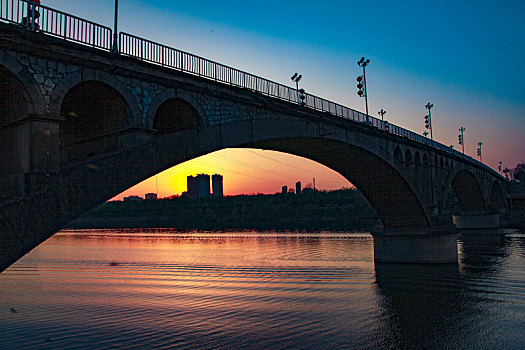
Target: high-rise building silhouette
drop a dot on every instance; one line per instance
(191, 185)
(198, 186)
(298, 187)
(216, 181)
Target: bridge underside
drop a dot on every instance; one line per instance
(29, 221)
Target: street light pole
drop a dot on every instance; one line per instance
(363, 63)
(462, 138)
(382, 113)
(429, 125)
(479, 152)
(300, 94)
(115, 29)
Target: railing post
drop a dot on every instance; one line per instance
(64, 25)
(93, 30)
(199, 68)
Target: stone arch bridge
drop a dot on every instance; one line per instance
(79, 125)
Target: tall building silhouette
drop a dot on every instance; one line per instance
(198, 186)
(298, 187)
(191, 185)
(216, 181)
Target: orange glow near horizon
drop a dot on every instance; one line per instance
(245, 171)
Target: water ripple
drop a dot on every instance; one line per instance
(133, 290)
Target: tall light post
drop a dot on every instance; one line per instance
(461, 139)
(479, 152)
(363, 92)
(115, 29)
(428, 119)
(296, 78)
(382, 113)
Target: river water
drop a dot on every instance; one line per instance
(144, 289)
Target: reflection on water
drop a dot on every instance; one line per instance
(145, 289)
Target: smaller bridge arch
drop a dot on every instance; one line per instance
(417, 159)
(84, 76)
(426, 162)
(15, 102)
(173, 94)
(398, 156)
(176, 114)
(408, 158)
(497, 199)
(468, 191)
(92, 113)
(18, 83)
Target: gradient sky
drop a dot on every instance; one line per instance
(463, 56)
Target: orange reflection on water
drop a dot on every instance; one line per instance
(202, 270)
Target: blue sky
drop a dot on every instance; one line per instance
(463, 56)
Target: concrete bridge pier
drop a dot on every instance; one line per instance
(477, 221)
(416, 247)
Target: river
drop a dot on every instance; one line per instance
(145, 289)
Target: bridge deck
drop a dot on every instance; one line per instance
(78, 30)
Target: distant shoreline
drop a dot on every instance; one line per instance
(335, 211)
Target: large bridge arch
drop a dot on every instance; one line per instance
(497, 199)
(468, 191)
(382, 184)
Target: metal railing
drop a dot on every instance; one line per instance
(44, 19)
(165, 56)
(152, 52)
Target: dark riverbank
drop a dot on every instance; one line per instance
(336, 210)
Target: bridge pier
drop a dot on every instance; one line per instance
(415, 247)
(477, 221)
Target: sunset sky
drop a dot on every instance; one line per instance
(465, 57)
